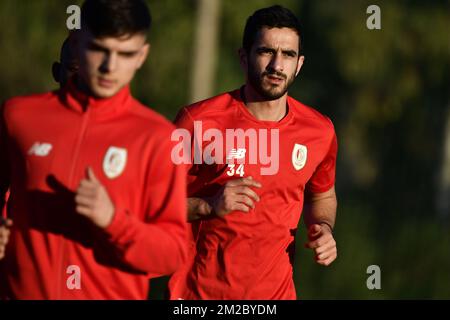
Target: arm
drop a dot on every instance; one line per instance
(320, 215)
(320, 208)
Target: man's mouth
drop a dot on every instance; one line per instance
(275, 79)
(105, 83)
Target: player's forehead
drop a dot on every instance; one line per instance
(125, 43)
(277, 38)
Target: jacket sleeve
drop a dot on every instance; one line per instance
(156, 246)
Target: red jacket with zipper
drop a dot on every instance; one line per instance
(47, 142)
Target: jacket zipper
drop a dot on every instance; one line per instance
(74, 163)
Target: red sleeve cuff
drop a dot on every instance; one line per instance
(321, 189)
(118, 225)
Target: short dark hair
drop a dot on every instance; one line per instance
(271, 17)
(116, 18)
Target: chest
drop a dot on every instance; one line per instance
(280, 158)
(61, 147)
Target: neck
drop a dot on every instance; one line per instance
(264, 110)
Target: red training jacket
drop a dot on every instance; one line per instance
(47, 142)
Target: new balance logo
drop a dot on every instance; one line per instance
(40, 149)
(236, 154)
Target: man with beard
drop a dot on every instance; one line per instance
(244, 222)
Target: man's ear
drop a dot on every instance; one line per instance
(301, 60)
(56, 71)
(144, 52)
(243, 59)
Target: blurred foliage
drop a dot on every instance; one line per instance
(387, 91)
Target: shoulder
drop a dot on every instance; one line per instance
(149, 119)
(212, 106)
(27, 103)
(312, 115)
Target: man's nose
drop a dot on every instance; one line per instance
(276, 63)
(109, 63)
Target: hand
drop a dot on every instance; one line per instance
(235, 195)
(4, 236)
(198, 208)
(93, 202)
(322, 242)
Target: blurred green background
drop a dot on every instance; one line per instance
(387, 92)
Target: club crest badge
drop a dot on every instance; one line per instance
(114, 162)
(299, 156)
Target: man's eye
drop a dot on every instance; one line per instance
(128, 54)
(266, 52)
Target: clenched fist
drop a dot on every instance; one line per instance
(236, 195)
(93, 202)
(4, 235)
(321, 240)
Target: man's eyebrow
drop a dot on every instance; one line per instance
(130, 52)
(273, 50)
(96, 46)
(290, 52)
(265, 49)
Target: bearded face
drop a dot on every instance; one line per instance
(273, 62)
(270, 84)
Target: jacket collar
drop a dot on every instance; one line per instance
(80, 102)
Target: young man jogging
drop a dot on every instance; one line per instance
(97, 204)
